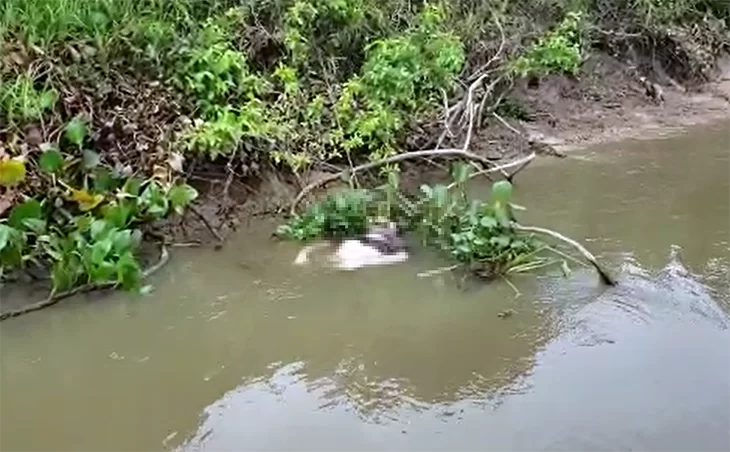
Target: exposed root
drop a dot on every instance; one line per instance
(56, 297)
(206, 222)
(605, 277)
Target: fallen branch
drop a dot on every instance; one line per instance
(56, 297)
(519, 163)
(605, 277)
(394, 159)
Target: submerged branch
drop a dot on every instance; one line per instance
(438, 271)
(605, 277)
(56, 297)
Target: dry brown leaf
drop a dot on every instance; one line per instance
(6, 201)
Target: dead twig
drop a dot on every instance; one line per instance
(56, 297)
(497, 54)
(605, 277)
(507, 125)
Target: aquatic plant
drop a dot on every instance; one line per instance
(478, 234)
(341, 214)
(85, 229)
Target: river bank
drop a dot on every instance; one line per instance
(606, 103)
(126, 122)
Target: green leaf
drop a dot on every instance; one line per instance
(500, 240)
(118, 213)
(103, 271)
(100, 250)
(35, 225)
(122, 241)
(83, 223)
(97, 228)
(488, 222)
(153, 199)
(47, 99)
(5, 234)
(128, 271)
(75, 131)
(30, 209)
(12, 172)
(460, 172)
(66, 272)
(502, 191)
(51, 161)
(90, 159)
(132, 186)
(180, 196)
(103, 180)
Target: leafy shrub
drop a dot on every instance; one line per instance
(558, 52)
(215, 73)
(225, 129)
(401, 76)
(299, 119)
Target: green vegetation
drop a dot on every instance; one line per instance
(102, 99)
(558, 52)
(85, 229)
(477, 234)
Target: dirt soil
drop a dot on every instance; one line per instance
(608, 103)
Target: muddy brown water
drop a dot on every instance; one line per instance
(238, 350)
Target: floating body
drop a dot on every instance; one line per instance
(379, 246)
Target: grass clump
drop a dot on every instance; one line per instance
(21, 101)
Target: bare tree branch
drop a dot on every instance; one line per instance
(56, 297)
(605, 277)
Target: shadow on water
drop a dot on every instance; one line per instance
(277, 357)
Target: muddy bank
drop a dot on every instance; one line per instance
(608, 103)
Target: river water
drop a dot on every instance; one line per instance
(239, 350)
